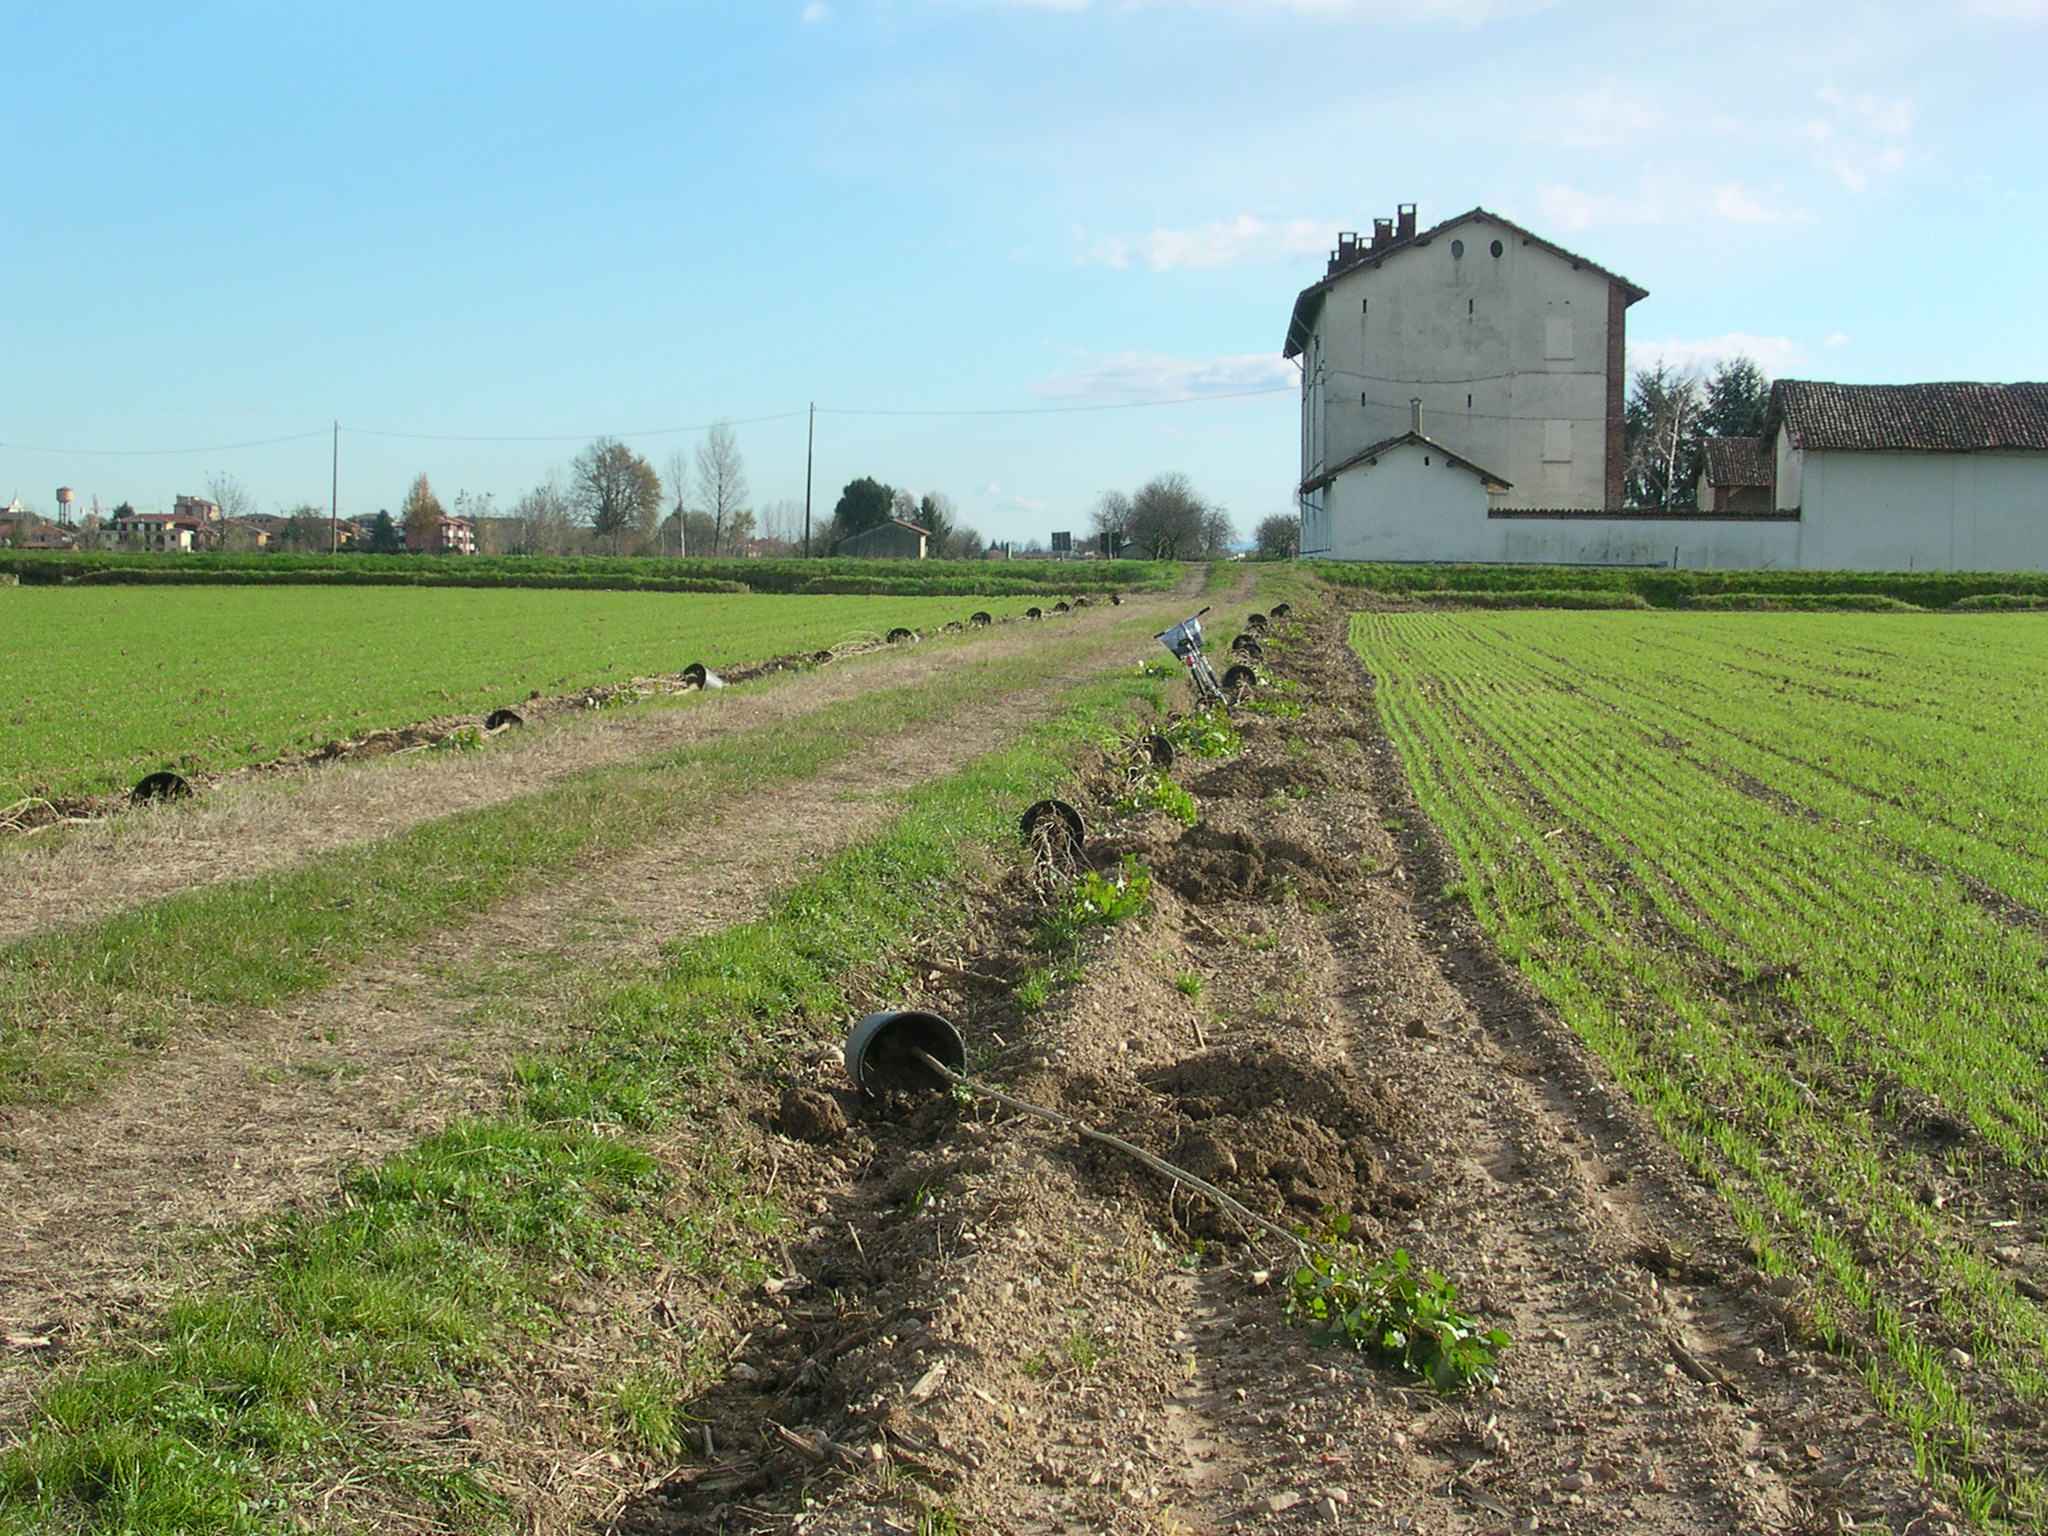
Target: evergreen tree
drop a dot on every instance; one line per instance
(384, 536)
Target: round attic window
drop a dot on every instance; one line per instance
(1457, 248)
(1495, 247)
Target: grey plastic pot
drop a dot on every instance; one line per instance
(878, 1050)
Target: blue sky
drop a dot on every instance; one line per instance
(235, 222)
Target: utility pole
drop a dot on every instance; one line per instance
(810, 444)
(334, 497)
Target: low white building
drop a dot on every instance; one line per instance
(1372, 504)
(1912, 476)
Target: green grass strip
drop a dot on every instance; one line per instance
(444, 1260)
(75, 1004)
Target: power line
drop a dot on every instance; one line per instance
(151, 453)
(572, 437)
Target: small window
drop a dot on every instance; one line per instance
(1364, 306)
(1468, 402)
(1361, 398)
(1457, 249)
(1468, 306)
(1495, 248)
(1425, 461)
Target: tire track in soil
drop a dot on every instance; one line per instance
(952, 1261)
(106, 1198)
(264, 821)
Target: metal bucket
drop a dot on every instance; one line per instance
(878, 1050)
(697, 675)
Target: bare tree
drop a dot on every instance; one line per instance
(937, 516)
(903, 506)
(616, 490)
(545, 518)
(1111, 521)
(1218, 533)
(1279, 536)
(783, 521)
(722, 485)
(675, 527)
(1167, 518)
(230, 495)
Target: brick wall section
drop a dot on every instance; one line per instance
(1617, 392)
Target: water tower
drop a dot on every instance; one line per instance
(65, 498)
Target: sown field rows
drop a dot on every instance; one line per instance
(101, 685)
(1768, 868)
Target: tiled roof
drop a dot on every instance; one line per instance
(1739, 461)
(1311, 297)
(1318, 481)
(1911, 418)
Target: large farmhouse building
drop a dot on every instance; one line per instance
(1462, 399)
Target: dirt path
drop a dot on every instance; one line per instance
(993, 1325)
(267, 821)
(224, 1126)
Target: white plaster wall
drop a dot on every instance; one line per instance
(1926, 511)
(1410, 500)
(1475, 327)
(1791, 471)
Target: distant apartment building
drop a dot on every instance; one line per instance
(452, 536)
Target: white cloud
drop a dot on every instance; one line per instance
(1604, 117)
(1130, 377)
(1774, 354)
(816, 12)
(1836, 339)
(1860, 138)
(1239, 241)
(1733, 202)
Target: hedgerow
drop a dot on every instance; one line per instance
(1663, 587)
(928, 578)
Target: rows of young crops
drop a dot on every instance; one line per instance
(99, 686)
(1783, 874)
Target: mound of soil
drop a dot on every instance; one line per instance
(1222, 864)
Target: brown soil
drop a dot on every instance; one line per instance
(269, 1108)
(268, 819)
(989, 1322)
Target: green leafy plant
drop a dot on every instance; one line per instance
(1096, 900)
(1206, 733)
(1156, 792)
(1188, 984)
(1401, 1316)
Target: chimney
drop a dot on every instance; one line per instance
(1415, 414)
(1382, 233)
(1405, 213)
(1347, 248)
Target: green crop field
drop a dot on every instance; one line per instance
(99, 686)
(1787, 876)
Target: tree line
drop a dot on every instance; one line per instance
(1166, 518)
(1671, 412)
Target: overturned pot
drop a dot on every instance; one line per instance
(697, 675)
(162, 785)
(1239, 678)
(881, 1051)
(1055, 826)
